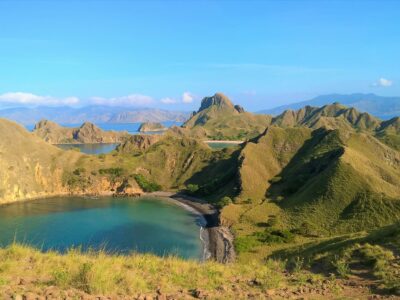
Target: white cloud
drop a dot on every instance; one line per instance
(32, 99)
(187, 97)
(168, 100)
(129, 100)
(383, 82)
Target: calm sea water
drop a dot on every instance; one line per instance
(122, 225)
(89, 148)
(132, 128)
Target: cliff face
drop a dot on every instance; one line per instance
(88, 133)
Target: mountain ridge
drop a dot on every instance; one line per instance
(379, 106)
(94, 114)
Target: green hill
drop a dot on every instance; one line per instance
(329, 116)
(304, 172)
(222, 120)
(31, 167)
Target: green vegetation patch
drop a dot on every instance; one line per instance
(145, 184)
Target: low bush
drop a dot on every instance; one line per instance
(192, 188)
(274, 236)
(223, 202)
(145, 184)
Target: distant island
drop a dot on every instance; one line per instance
(87, 133)
(151, 127)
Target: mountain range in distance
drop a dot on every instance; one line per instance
(95, 114)
(379, 106)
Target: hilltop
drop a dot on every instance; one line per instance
(337, 116)
(87, 133)
(151, 126)
(220, 119)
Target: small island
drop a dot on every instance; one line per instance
(151, 127)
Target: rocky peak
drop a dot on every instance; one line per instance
(89, 126)
(45, 124)
(219, 100)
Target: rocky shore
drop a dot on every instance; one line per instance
(220, 237)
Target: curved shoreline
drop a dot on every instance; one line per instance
(220, 239)
(220, 243)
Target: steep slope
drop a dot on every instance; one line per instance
(264, 157)
(382, 107)
(389, 133)
(344, 183)
(87, 133)
(30, 166)
(221, 119)
(323, 181)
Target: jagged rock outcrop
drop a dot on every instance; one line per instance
(87, 133)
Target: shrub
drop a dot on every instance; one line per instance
(192, 188)
(223, 202)
(75, 180)
(295, 265)
(246, 243)
(79, 171)
(275, 179)
(145, 184)
(117, 172)
(341, 266)
(271, 236)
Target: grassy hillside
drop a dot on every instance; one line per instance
(31, 167)
(97, 275)
(327, 116)
(298, 186)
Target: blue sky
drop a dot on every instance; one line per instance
(170, 54)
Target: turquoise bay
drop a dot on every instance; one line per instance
(116, 225)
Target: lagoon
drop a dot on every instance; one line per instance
(115, 225)
(89, 148)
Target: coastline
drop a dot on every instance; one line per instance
(219, 238)
(222, 141)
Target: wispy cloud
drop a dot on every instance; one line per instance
(187, 97)
(32, 99)
(383, 82)
(129, 100)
